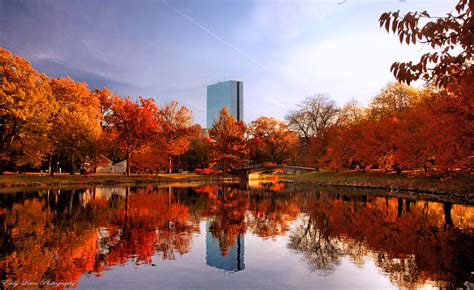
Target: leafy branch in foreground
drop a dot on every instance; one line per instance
(451, 38)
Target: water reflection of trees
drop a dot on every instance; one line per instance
(413, 242)
(37, 245)
(271, 212)
(266, 212)
(59, 235)
(147, 222)
(321, 252)
(227, 208)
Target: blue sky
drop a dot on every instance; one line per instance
(283, 51)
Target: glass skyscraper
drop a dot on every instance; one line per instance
(228, 94)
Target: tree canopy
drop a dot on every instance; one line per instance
(228, 147)
(26, 109)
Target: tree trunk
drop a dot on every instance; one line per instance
(50, 165)
(128, 163)
(169, 164)
(177, 163)
(73, 165)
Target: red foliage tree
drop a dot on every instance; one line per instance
(134, 124)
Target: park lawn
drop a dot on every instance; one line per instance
(462, 183)
(22, 180)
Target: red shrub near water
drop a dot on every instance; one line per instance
(205, 171)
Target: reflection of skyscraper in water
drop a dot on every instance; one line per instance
(233, 261)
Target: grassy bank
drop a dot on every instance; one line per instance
(460, 184)
(34, 180)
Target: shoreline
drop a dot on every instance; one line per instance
(398, 192)
(34, 181)
(459, 185)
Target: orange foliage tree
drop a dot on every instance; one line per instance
(134, 124)
(408, 128)
(109, 144)
(150, 159)
(273, 140)
(392, 100)
(76, 126)
(26, 107)
(198, 154)
(311, 121)
(446, 122)
(228, 146)
(175, 131)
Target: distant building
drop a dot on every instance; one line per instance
(105, 165)
(233, 261)
(204, 133)
(228, 94)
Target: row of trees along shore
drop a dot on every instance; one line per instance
(46, 122)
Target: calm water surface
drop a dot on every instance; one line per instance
(233, 237)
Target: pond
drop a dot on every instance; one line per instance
(271, 236)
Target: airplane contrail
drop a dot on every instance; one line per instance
(202, 27)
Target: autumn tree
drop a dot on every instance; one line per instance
(443, 124)
(327, 149)
(378, 143)
(133, 124)
(228, 146)
(446, 126)
(318, 148)
(107, 100)
(452, 124)
(313, 116)
(412, 136)
(392, 100)
(341, 148)
(149, 158)
(198, 154)
(352, 112)
(310, 121)
(273, 137)
(76, 126)
(451, 38)
(175, 130)
(109, 144)
(26, 107)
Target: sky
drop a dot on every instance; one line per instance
(283, 51)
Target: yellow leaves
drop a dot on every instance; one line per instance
(77, 123)
(392, 100)
(27, 105)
